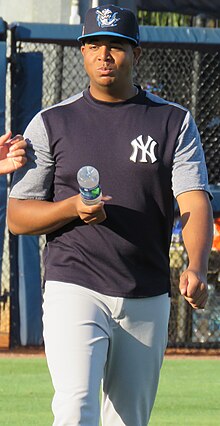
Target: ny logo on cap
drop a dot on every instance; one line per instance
(106, 18)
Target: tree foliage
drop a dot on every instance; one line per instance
(163, 19)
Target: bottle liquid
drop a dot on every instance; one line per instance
(88, 180)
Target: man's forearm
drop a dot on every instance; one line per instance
(197, 223)
(35, 217)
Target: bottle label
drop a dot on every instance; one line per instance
(90, 194)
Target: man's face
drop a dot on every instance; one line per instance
(109, 61)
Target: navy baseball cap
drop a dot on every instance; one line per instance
(110, 20)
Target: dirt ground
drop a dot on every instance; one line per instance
(23, 352)
(192, 353)
(171, 353)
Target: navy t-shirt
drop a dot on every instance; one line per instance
(135, 145)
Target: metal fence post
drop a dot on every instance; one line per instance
(13, 240)
(4, 293)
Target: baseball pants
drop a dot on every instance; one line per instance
(93, 339)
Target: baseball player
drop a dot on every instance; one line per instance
(107, 279)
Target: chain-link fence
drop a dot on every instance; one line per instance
(188, 77)
(191, 77)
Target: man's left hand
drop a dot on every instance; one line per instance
(194, 288)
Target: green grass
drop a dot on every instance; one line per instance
(25, 392)
(188, 393)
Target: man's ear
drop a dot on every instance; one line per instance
(82, 49)
(137, 53)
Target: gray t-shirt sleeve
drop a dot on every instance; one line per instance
(35, 179)
(189, 171)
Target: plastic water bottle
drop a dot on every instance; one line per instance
(88, 180)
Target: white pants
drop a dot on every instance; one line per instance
(92, 338)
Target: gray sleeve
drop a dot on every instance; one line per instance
(189, 168)
(35, 179)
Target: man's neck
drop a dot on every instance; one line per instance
(112, 95)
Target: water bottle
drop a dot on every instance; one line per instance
(88, 180)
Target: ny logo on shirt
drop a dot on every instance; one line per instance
(147, 149)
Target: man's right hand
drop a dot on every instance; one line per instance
(92, 214)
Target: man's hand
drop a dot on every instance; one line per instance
(194, 288)
(92, 214)
(12, 153)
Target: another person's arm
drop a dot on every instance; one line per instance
(12, 153)
(197, 225)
